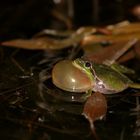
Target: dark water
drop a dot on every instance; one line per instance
(31, 107)
(34, 109)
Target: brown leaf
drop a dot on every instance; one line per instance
(126, 29)
(107, 53)
(109, 38)
(44, 43)
(95, 108)
(38, 43)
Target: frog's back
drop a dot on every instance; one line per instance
(112, 80)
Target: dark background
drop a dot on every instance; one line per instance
(25, 17)
(21, 118)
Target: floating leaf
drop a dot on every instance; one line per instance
(95, 108)
(125, 27)
(107, 53)
(44, 43)
(119, 32)
(37, 44)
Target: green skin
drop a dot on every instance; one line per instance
(106, 79)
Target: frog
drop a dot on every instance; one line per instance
(86, 76)
(105, 79)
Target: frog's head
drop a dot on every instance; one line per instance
(85, 66)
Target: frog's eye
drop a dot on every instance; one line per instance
(87, 64)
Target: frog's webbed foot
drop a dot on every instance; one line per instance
(134, 85)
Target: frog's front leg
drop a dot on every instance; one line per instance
(87, 94)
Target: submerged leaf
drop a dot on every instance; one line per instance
(95, 108)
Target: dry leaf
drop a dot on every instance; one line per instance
(44, 43)
(95, 108)
(107, 53)
(39, 43)
(109, 38)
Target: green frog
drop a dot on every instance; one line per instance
(105, 79)
(84, 76)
